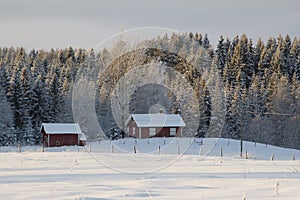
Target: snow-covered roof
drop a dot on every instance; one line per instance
(63, 128)
(157, 120)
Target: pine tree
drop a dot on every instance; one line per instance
(26, 103)
(54, 95)
(242, 62)
(228, 91)
(251, 59)
(266, 56)
(15, 95)
(280, 110)
(232, 123)
(198, 38)
(66, 113)
(206, 43)
(39, 112)
(217, 96)
(292, 126)
(259, 48)
(221, 52)
(6, 119)
(256, 102)
(204, 108)
(286, 58)
(295, 59)
(278, 58)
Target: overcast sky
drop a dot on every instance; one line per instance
(61, 23)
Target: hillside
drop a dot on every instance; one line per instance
(176, 146)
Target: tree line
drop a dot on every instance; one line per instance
(256, 86)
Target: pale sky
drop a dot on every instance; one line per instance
(61, 23)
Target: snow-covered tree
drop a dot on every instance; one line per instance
(217, 95)
(222, 53)
(280, 110)
(6, 120)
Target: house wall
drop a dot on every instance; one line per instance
(57, 140)
(178, 132)
(130, 126)
(144, 132)
(162, 132)
(165, 132)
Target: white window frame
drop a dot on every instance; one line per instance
(152, 131)
(172, 131)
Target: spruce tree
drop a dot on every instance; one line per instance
(280, 110)
(266, 56)
(206, 42)
(6, 120)
(294, 61)
(15, 94)
(221, 53)
(217, 96)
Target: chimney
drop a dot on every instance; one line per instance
(161, 111)
(178, 111)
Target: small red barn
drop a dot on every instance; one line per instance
(62, 134)
(154, 125)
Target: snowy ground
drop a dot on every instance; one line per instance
(75, 173)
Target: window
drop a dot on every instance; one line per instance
(133, 131)
(152, 132)
(172, 131)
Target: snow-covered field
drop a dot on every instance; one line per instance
(183, 168)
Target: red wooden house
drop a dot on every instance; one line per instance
(154, 125)
(62, 134)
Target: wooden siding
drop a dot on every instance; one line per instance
(57, 140)
(144, 131)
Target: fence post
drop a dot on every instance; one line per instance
(272, 157)
(19, 148)
(221, 152)
(178, 150)
(293, 157)
(134, 149)
(43, 150)
(112, 148)
(158, 149)
(246, 154)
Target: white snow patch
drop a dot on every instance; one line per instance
(75, 173)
